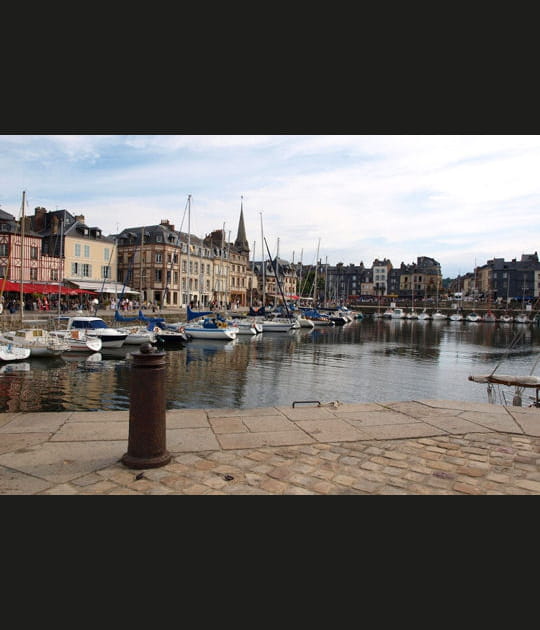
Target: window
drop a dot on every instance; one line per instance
(74, 269)
(105, 271)
(77, 249)
(33, 273)
(87, 251)
(86, 270)
(33, 253)
(159, 257)
(158, 275)
(53, 275)
(106, 254)
(4, 249)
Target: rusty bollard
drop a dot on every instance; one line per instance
(147, 439)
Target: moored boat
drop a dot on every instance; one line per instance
(79, 340)
(473, 317)
(209, 328)
(10, 352)
(277, 325)
(137, 335)
(96, 327)
(522, 318)
(39, 341)
(397, 313)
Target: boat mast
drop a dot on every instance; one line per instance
(188, 249)
(276, 271)
(325, 279)
(22, 254)
(263, 265)
(141, 254)
(299, 281)
(222, 270)
(61, 262)
(315, 277)
(252, 275)
(273, 263)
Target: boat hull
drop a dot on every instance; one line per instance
(276, 327)
(210, 333)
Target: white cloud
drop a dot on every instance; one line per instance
(451, 197)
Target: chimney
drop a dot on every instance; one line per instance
(166, 223)
(39, 218)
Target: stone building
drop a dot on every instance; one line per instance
(174, 268)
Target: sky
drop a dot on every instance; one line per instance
(460, 199)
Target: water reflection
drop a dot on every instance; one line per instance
(368, 360)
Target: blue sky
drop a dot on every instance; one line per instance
(461, 199)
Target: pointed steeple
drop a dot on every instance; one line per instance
(241, 243)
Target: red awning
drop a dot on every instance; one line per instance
(41, 287)
(7, 285)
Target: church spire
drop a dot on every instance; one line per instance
(241, 242)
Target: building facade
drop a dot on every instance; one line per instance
(174, 268)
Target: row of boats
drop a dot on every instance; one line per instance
(458, 316)
(91, 334)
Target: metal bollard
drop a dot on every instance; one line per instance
(147, 429)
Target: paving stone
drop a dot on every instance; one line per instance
(331, 430)
(35, 423)
(228, 425)
(10, 442)
(494, 421)
(486, 460)
(181, 440)
(267, 438)
(408, 430)
(91, 431)
(186, 418)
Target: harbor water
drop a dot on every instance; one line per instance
(369, 360)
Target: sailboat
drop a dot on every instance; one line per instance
(519, 382)
(412, 314)
(278, 324)
(522, 317)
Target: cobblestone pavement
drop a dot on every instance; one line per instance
(480, 463)
(413, 448)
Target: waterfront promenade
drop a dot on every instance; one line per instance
(410, 447)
